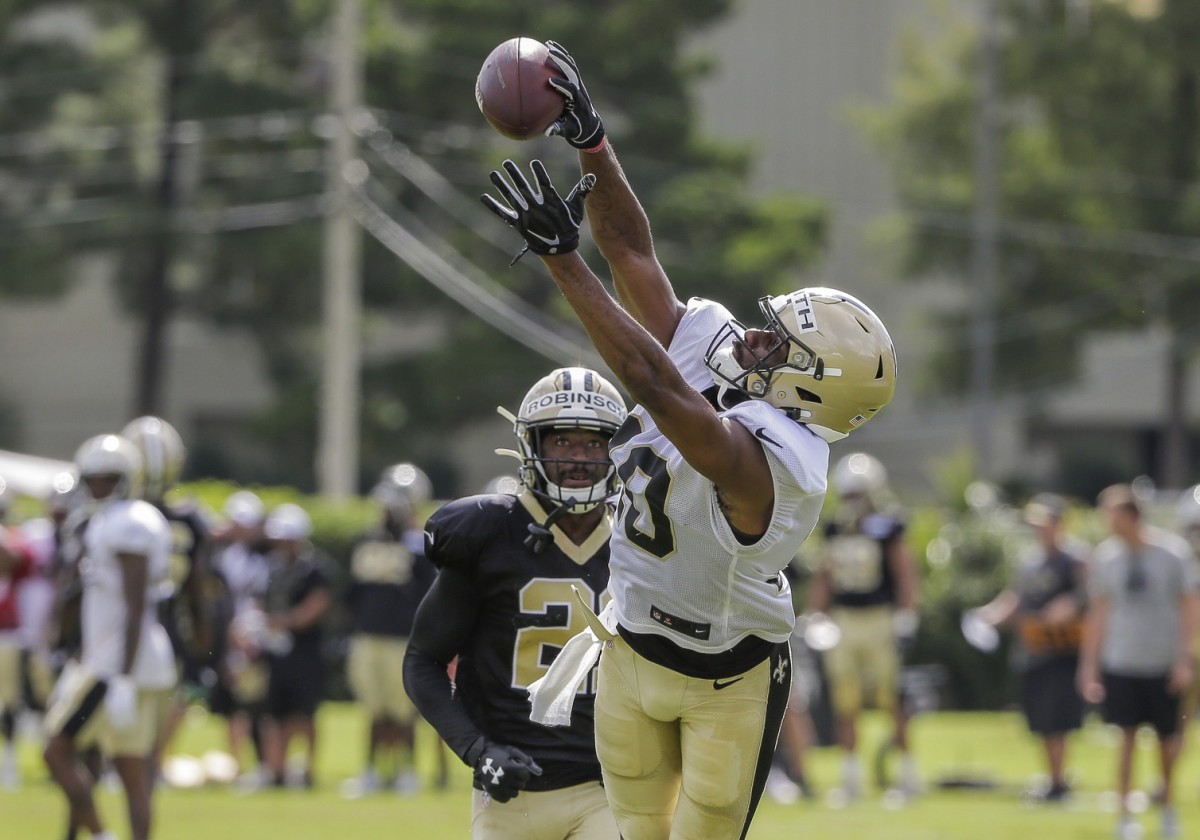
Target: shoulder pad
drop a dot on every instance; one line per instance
(456, 533)
(134, 527)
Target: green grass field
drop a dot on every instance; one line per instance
(994, 746)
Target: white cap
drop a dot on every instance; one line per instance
(244, 508)
(288, 522)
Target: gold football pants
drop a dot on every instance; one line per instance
(686, 758)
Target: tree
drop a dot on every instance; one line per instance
(223, 211)
(1098, 201)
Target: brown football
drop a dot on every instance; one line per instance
(513, 90)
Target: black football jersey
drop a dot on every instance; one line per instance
(856, 557)
(185, 609)
(388, 578)
(525, 612)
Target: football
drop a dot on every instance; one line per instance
(513, 90)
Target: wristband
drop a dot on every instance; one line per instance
(599, 147)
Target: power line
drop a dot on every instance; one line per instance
(452, 274)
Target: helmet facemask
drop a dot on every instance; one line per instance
(536, 468)
(567, 399)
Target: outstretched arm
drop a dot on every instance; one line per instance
(622, 233)
(722, 450)
(619, 224)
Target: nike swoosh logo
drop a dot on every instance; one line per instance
(762, 435)
(718, 685)
(553, 241)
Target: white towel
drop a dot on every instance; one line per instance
(552, 697)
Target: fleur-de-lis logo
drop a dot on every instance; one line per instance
(780, 670)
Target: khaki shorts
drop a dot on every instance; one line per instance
(10, 673)
(41, 678)
(77, 712)
(864, 668)
(376, 674)
(579, 812)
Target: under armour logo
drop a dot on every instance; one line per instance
(780, 670)
(490, 769)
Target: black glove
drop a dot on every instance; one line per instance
(548, 222)
(579, 124)
(502, 772)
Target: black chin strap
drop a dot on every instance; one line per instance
(539, 535)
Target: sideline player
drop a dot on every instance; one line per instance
(16, 568)
(719, 491)
(118, 693)
(389, 575)
(185, 615)
(299, 595)
(1046, 603)
(504, 603)
(867, 584)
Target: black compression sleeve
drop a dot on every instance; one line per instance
(442, 628)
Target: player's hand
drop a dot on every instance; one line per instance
(904, 627)
(1181, 675)
(120, 702)
(548, 222)
(580, 125)
(503, 771)
(1091, 688)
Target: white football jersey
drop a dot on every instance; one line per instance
(677, 568)
(126, 527)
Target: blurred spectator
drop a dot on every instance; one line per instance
(389, 577)
(1138, 640)
(116, 696)
(298, 597)
(1046, 604)
(867, 584)
(1187, 517)
(36, 595)
(16, 565)
(185, 614)
(241, 686)
(1187, 521)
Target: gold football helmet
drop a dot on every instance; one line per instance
(402, 490)
(858, 474)
(567, 398)
(839, 368)
(162, 451)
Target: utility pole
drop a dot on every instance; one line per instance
(157, 297)
(337, 447)
(985, 228)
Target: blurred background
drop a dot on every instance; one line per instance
(260, 221)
